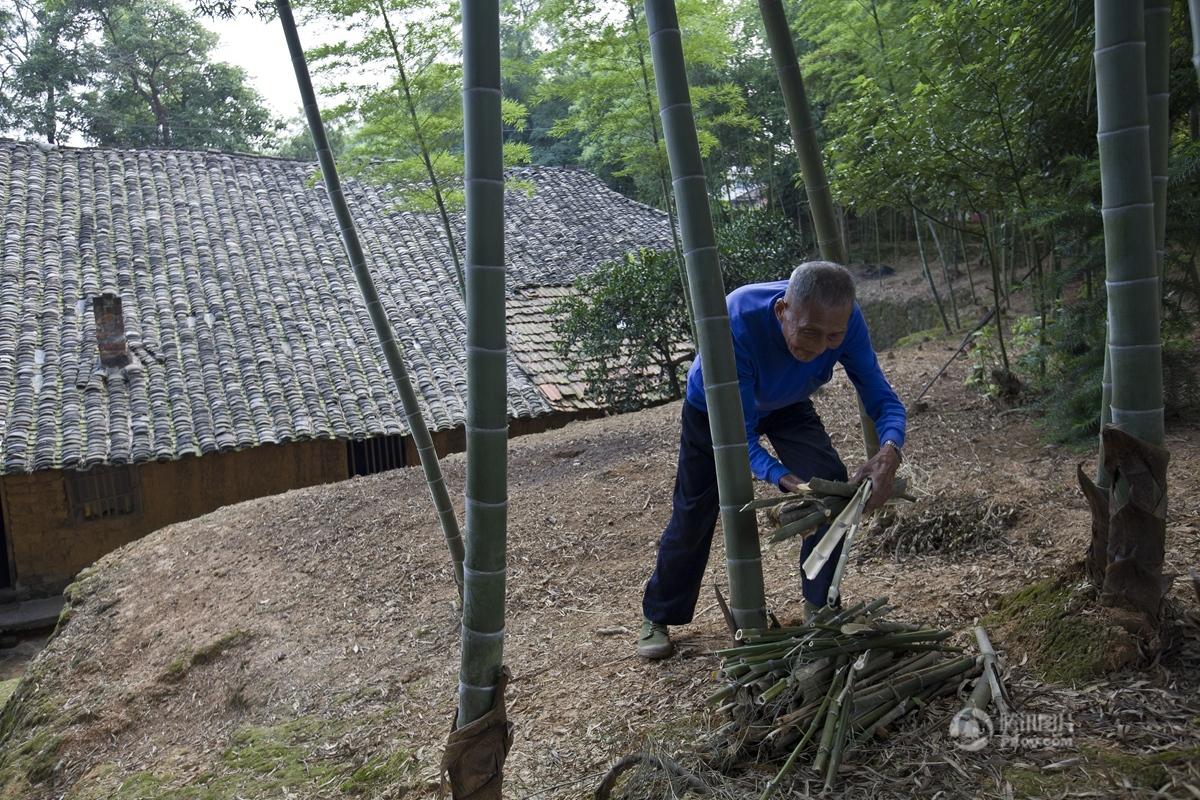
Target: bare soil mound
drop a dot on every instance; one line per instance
(305, 645)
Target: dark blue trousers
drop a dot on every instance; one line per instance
(802, 445)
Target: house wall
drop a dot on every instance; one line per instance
(454, 440)
(48, 547)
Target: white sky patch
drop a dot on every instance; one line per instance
(258, 47)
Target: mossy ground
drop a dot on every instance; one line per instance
(1137, 771)
(296, 758)
(183, 663)
(1049, 621)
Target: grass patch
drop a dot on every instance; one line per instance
(1144, 771)
(1047, 620)
(1035, 783)
(6, 689)
(921, 337)
(179, 667)
(296, 758)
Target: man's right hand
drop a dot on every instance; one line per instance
(790, 483)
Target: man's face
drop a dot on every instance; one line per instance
(811, 328)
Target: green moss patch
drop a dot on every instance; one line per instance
(920, 337)
(1142, 770)
(1028, 782)
(297, 758)
(1061, 627)
(183, 663)
(1145, 771)
(29, 762)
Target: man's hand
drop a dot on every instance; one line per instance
(881, 469)
(790, 483)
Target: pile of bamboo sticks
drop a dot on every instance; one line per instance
(832, 684)
(814, 504)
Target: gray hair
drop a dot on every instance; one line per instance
(822, 282)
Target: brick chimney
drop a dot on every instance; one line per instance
(110, 330)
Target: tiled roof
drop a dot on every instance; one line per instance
(531, 338)
(244, 321)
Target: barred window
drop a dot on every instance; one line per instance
(377, 454)
(102, 492)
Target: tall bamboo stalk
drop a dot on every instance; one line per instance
(937, 298)
(487, 365)
(743, 560)
(383, 328)
(808, 152)
(988, 247)
(423, 146)
(946, 274)
(662, 169)
(1134, 338)
(1194, 6)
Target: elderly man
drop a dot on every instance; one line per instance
(787, 336)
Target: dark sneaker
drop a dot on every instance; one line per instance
(654, 642)
(810, 610)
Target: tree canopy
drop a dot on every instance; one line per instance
(136, 73)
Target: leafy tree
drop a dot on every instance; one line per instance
(135, 73)
(296, 142)
(44, 57)
(156, 87)
(626, 327)
(599, 66)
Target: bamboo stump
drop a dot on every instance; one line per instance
(1129, 524)
(475, 753)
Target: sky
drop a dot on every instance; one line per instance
(258, 47)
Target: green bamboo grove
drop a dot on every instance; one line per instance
(743, 559)
(808, 152)
(1128, 208)
(383, 328)
(487, 360)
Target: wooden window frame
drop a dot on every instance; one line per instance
(109, 498)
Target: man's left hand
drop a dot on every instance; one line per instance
(881, 469)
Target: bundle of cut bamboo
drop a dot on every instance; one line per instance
(832, 684)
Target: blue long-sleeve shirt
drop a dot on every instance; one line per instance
(770, 377)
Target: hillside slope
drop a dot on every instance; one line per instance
(305, 645)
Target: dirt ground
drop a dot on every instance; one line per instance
(305, 645)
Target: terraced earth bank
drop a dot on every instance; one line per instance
(305, 645)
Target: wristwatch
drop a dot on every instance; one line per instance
(894, 446)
